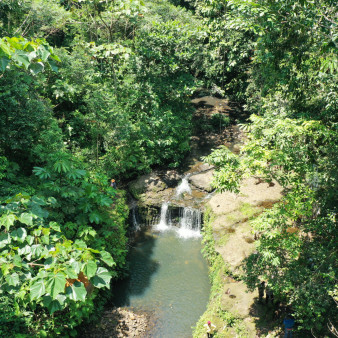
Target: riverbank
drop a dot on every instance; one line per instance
(228, 240)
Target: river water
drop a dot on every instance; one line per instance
(168, 278)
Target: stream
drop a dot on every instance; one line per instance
(168, 274)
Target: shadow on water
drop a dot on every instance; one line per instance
(142, 267)
(168, 281)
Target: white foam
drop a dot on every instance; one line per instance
(188, 233)
(184, 187)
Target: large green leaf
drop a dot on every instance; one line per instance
(36, 68)
(37, 289)
(107, 258)
(95, 217)
(52, 305)
(102, 278)
(105, 201)
(76, 266)
(44, 53)
(4, 61)
(26, 218)
(5, 268)
(53, 65)
(54, 226)
(21, 58)
(19, 234)
(12, 279)
(38, 211)
(5, 48)
(17, 261)
(71, 273)
(38, 200)
(7, 220)
(90, 269)
(26, 250)
(4, 240)
(30, 239)
(55, 284)
(76, 292)
(37, 250)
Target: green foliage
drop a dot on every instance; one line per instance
(85, 203)
(120, 105)
(27, 123)
(301, 156)
(29, 55)
(293, 140)
(40, 267)
(132, 110)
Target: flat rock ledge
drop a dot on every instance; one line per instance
(153, 183)
(234, 241)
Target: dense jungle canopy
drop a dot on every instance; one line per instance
(95, 89)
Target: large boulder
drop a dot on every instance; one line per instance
(202, 181)
(170, 177)
(146, 183)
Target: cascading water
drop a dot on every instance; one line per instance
(136, 225)
(183, 187)
(190, 223)
(165, 221)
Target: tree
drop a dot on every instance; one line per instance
(292, 139)
(40, 267)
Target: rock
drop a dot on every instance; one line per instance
(236, 148)
(145, 183)
(170, 177)
(119, 323)
(203, 180)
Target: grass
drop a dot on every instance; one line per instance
(223, 240)
(248, 210)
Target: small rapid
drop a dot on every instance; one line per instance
(183, 187)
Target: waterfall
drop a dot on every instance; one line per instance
(165, 220)
(136, 225)
(190, 223)
(183, 187)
